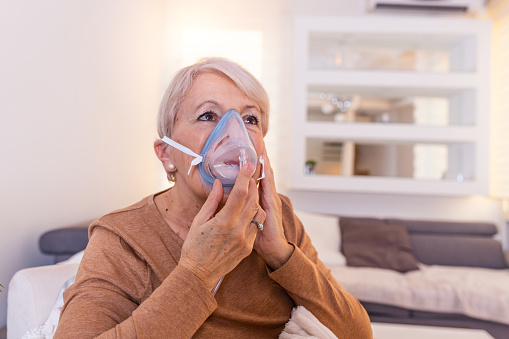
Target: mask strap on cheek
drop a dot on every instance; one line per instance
(197, 158)
(262, 162)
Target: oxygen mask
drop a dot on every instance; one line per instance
(227, 149)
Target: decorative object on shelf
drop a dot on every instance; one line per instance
(309, 168)
(332, 102)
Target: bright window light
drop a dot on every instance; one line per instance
(241, 46)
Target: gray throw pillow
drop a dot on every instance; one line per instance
(371, 244)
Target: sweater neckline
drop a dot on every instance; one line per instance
(164, 225)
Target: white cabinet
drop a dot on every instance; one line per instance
(391, 105)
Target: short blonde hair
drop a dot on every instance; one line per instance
(183, 80)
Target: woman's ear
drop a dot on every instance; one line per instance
(162, 152)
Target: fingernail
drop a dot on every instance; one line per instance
(250, 167)
(216, 184)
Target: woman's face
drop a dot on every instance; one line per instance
(210, 97)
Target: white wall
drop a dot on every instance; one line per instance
(79, 91)
(499, 10)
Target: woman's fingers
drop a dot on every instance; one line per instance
(269, 172)
(242, 193)
(260, 217)
(217, 243)
(210, 206)
(267, 188)
(271, 244)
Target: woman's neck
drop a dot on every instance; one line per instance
(178, 209)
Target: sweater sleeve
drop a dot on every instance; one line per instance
(113, 297)
(310, 284)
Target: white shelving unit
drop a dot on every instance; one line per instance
(379, 60)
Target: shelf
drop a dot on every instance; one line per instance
(331, 183)
(425, 82)
(389, 132)
(412, 30)
(382, 105)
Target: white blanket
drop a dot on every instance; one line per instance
(303, 324)
(476, 292)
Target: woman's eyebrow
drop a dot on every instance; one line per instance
(213, 102)
(251, 107)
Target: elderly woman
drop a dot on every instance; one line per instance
(218, 255)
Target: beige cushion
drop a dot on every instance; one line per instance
(324, 234)
(480, 293)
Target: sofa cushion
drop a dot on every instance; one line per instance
(447, 227)
(479, 293)
(370, 244)
(457, 250)
(64, 242)
(325, 236)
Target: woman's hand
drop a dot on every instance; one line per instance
(215, 245)
(271, 244)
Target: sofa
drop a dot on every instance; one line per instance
(32, 292)
(421, 272)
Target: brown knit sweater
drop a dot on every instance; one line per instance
(129, 285)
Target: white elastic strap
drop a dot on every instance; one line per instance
(263, 168)
(197, 158)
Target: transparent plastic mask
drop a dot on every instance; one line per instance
(227, 149)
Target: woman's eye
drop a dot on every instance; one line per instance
(207, 116)
(251, 120)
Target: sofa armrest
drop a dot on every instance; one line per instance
(62, 243)
(31, 295)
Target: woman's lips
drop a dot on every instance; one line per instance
(232, 162)
(228, 169)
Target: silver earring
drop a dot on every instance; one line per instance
(171, 167)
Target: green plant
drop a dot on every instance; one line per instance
(2, 286)
(311, 162)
